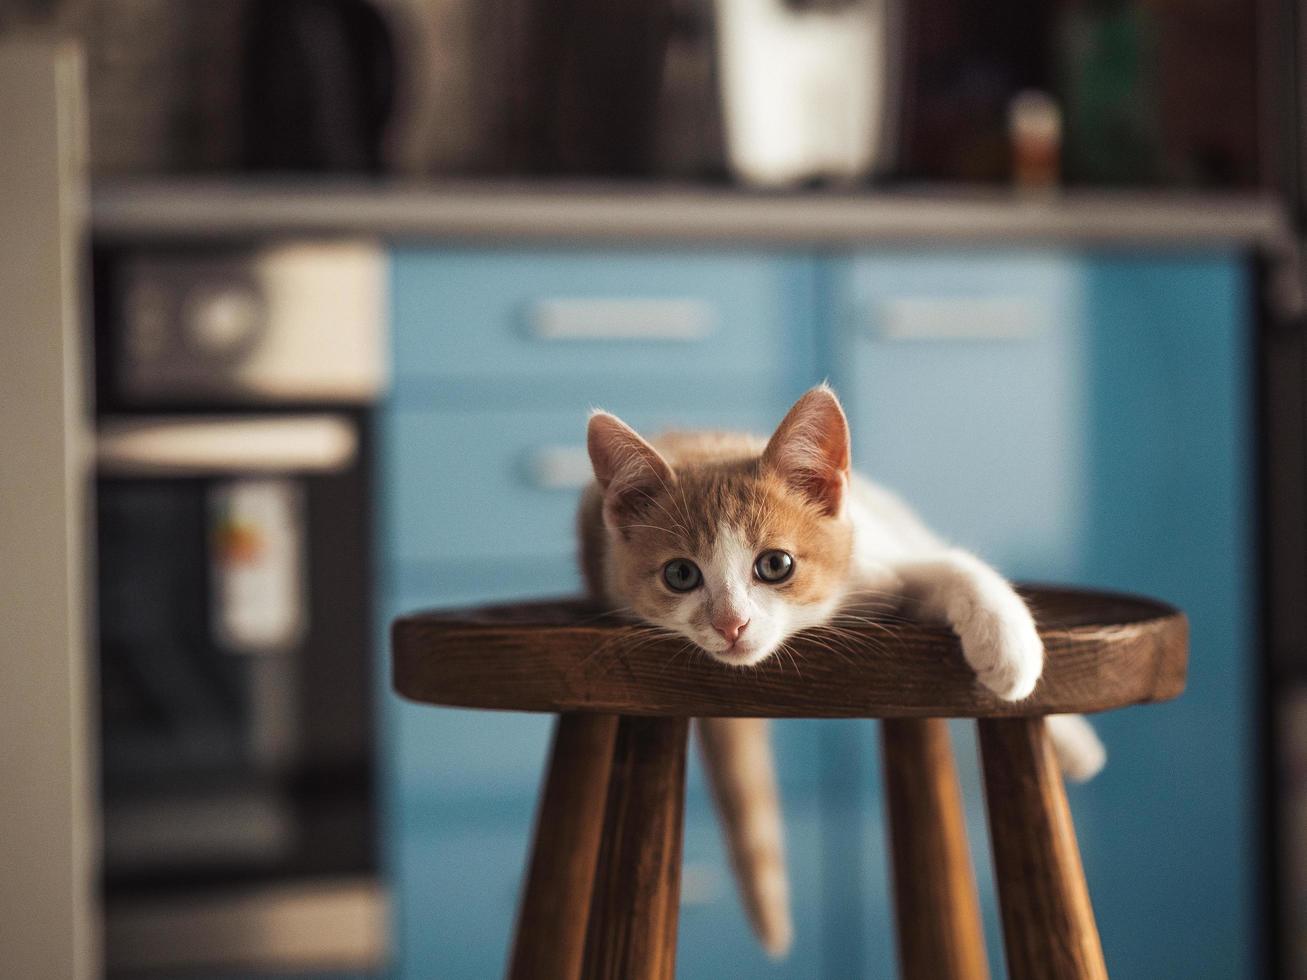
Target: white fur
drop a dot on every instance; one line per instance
(1080, 752)
(731, 591)
(894, 555)
(895, 552)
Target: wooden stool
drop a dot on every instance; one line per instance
(602, 894)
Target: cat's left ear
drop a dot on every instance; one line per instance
(810, 450)
(628, 470)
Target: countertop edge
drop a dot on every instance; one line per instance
(481, 211)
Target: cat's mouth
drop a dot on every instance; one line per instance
(740, 655)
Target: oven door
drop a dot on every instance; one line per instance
(236, 709)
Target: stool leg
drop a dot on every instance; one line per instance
(551, 924)
(637, 889)
(1048, 922)
(936, 906)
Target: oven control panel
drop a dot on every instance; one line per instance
(291, 322)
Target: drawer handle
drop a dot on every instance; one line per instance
(560, 468)
(203, 446)
(911, 318)
(683, 320)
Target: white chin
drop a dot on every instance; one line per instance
(741, 656)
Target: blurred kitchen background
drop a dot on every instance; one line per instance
(302, 307)
(1156, 94)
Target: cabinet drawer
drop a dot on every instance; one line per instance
(445, 760)
(714, 937)
(460, 879)
(528, 314)
(450, 583)
(963, 379)
(458, 887)
(953, 298)
(503, 485)
(449, 757)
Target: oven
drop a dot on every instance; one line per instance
(234, 514)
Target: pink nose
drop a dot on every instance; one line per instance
(730, 627)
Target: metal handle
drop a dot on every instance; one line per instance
(560, 468)
(683, 320)
(912, 318)
(185, 446)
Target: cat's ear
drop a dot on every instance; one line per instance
(627, 468)
(810, 450)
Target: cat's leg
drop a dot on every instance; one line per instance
(998, 634)
(998, 637)
(1080, 752)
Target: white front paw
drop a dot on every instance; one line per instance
(1004, 649)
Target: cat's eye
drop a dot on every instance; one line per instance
(682, 575)
(774, 567)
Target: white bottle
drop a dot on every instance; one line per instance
(805, 93)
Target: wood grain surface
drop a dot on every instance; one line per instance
(936, 908)
(633, 913)
(1048, 922)
(1104, 651)
(551, 924)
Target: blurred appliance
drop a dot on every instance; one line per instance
(807, 87)
(1151, 94)
(320, 78)
(234, 584)
(581, 84)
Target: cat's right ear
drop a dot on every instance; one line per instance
(810, 450)
(627, 469)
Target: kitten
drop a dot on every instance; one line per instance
(738, 544)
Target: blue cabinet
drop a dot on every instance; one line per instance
(965, 384)
(1170, 834)
(499, 356)
(532, 318)
(1095, 429)
(1074, 417)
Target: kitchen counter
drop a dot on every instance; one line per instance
(616, 213)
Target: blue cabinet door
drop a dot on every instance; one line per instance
(498, 357)
(466, 318)
(965, 382)
(1093, 427)
(1071, 417)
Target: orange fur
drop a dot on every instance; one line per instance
(715, 480)
(673, 498)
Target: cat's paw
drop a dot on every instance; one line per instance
(1004, 649)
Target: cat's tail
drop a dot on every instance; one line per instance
(738, 760)
(1080, 752)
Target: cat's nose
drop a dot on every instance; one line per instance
(730, 627)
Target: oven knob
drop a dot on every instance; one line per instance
(224, 319)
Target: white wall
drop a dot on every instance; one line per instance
(49, 924)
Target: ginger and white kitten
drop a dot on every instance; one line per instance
(737, 544)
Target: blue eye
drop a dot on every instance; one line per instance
(682, 575)
(774, 567)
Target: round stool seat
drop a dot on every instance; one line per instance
(1105, 650)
